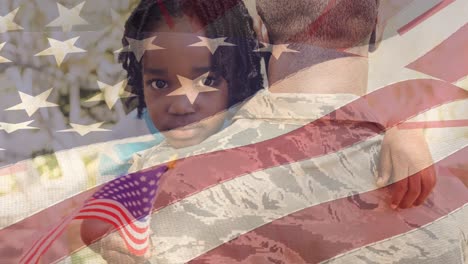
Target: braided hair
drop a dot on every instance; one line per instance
(239, 65)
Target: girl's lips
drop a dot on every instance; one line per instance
(188, 127)
(184, 133)
(182, 126)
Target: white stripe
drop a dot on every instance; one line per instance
(120, 221)
(411, 12)
(73, 187)
(45, 241)
(138, 222)
(233, 218)
(227, 219)
(399, 245)
(386, 68)
(463, 83)
(124, 234)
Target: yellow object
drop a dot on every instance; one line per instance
(172, 161)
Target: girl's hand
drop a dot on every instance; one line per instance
(110, 246)
(405, 161)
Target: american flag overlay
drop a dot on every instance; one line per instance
(125, 203)
(98, 97)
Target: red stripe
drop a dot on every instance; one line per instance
(312, 30)
(386, 12)
(50, 244)
(424, 16)
(54, 212)
(447, 61)
(117, 223)
(461, 173)
(13, 169)
(119, 228)
(54, 234)
(434, 124)
(391, 104)
(323, 231)
(218, 14)
(167, 16)
(129, 221)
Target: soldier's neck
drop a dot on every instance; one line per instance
(317, 71)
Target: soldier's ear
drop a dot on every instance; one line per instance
(377, 36)
(261, 30)
(379, 28)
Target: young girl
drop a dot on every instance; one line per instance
(205, 63)
(198, 60)
(185, 87)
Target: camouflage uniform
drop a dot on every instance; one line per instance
(199, 223)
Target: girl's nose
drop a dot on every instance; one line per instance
(181, 105)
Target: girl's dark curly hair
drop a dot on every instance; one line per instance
(239, 65)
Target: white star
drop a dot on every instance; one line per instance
(3, 59)
(111, 94)
(68, 17)
(84, 130)
(463, 83)
(139, 47)
(212, 44)
(191, 88)
(32, 103)
(6, 22)
(10, 127)
(276, 50)
(60, 49)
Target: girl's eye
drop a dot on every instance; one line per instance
(159, 84)
(208, 81)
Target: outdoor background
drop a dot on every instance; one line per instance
(46, 166)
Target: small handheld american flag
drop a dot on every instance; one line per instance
(125, 203)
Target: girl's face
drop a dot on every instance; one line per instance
(186, 98)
